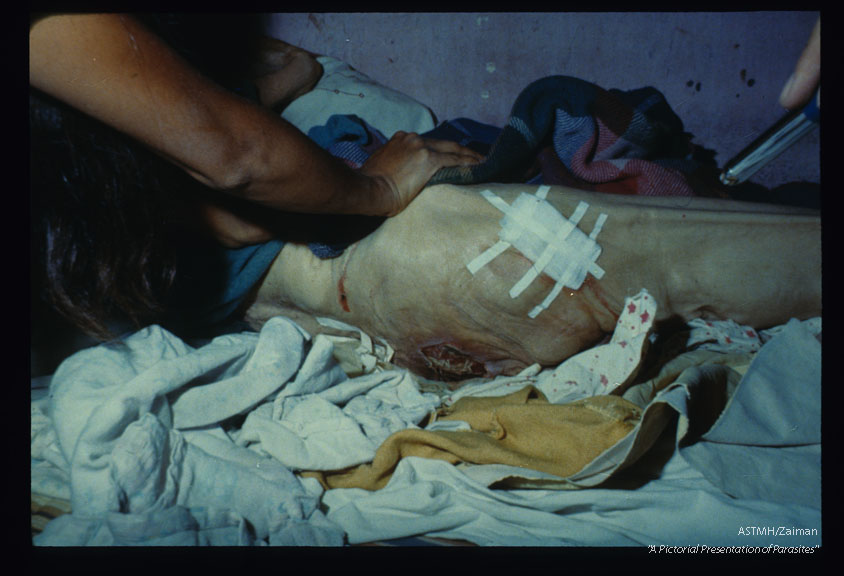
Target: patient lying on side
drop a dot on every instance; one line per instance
(408, 282)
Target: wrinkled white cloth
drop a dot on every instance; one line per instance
(752, 480)
(344, 90)
(339, 427)
(137, 426)
(157, 442)
(680, 508)
(729, 336)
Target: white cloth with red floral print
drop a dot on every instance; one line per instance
(598, 370)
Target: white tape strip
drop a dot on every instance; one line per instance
(521, 217)
(599, 224)
(533, 272)
(553, 243)
(555, 291)
(551, 249)
(488, 256)
(578, 213)
(496, 201)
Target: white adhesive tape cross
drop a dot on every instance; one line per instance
(554, 244)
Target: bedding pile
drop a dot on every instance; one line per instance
(566, 131)
(280, 438)
(582, 135)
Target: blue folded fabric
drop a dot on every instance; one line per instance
(214, 283)
(346, 128)
(770, 430)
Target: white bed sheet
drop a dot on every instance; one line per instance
(157, 442)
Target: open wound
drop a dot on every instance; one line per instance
(450, 363)
(553, 243)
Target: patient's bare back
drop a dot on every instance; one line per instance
(485, 280)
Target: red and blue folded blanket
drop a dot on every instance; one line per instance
(564, 130)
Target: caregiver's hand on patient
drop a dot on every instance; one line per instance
(407, 162)
(113, 68)
(807, 74)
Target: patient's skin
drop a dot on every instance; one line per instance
(408, 283)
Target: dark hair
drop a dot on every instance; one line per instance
(103, 221)
(107, 214)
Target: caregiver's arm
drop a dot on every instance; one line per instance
(114, 69)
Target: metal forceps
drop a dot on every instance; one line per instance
(772, 143)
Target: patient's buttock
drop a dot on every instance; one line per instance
(448, 363)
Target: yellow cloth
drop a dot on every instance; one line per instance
(521, 429)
